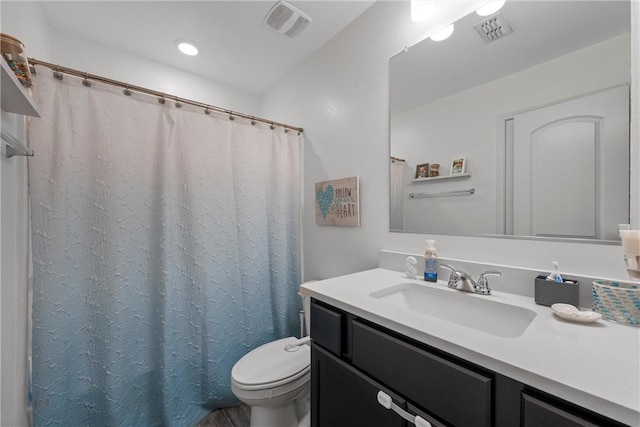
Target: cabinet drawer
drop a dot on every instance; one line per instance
(443, 388)
(538, 413)
(326, 328)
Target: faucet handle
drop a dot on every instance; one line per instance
(454, 277)
(483, 282)
(448, 267)
(491, 273)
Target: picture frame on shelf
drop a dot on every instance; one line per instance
(422, 171)
(458, 166)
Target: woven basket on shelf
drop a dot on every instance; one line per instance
(617, 301)
(13, 52)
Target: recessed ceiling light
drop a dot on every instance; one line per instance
(442, 34)
(187, 48)
(490, 8)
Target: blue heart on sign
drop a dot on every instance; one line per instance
(325, 198)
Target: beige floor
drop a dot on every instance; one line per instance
(237, 416)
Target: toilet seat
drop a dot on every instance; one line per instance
(270, 366)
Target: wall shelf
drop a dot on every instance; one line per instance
(15, 98)
(436, 178)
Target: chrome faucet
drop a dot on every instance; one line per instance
(462, 281)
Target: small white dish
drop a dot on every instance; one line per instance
(572, 314)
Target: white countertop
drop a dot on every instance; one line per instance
(596, 366)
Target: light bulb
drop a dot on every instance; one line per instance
(490, 8)
(187, 48)
(442, 34)
(422, 10)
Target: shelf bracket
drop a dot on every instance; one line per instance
(14, 147)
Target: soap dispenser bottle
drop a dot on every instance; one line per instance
(431, 262)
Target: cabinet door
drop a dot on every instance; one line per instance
(537, 413)
(326, 328)
(341, 396)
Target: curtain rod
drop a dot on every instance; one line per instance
(397, 159)
(162, 96)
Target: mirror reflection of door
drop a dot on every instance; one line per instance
(565, 184)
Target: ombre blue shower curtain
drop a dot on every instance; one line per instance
(165, 246)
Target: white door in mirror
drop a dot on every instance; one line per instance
(565, 184)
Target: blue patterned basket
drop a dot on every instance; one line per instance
(617, 301)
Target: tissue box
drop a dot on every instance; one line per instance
(549, 293)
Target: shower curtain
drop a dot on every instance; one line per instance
(396, 194)
(165, 246)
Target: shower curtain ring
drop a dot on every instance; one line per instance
(126, 91)
(57, 74)
(86, 81)
(178, 104)
(272, 127)
(207, 111)
(161, 100)
(253, 121)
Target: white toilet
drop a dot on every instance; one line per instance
(274, 382)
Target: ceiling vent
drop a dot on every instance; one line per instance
(287, 19)
(494, 28)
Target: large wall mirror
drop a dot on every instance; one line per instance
(516, 125)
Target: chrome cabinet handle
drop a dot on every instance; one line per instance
(385, 400)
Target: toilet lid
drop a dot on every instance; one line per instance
(270, 363)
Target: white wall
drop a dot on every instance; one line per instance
(13, 280)
(432, 133)
(26, 22)
(340, 97)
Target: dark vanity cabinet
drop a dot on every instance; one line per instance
(347, 396)
(353, 359)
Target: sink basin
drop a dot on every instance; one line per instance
(465, 309)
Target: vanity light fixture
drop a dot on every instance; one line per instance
(187, 47)
(490, 8)
(442, 34)
(422, 10)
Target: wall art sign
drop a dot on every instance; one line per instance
(338, 202)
